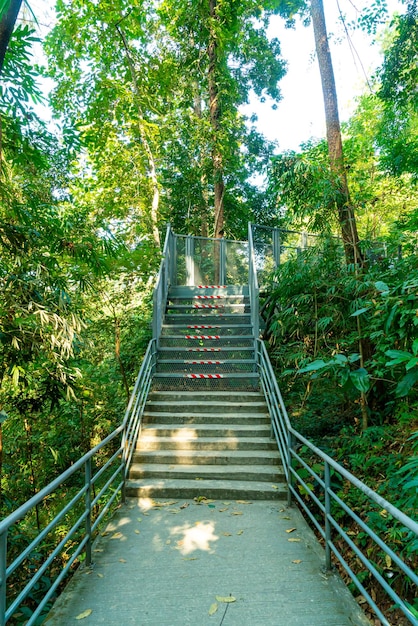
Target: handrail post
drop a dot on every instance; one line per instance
(3, 582)
(289, 465)
(222, 262)
(189, 260)
(87, 505)
(276, 247)
(327, 481)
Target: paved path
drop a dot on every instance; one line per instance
(166, 564)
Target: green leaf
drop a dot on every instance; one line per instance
(312, 367)
(412, 363)
(405, 385)
(397, 356)
(360, 311)
(360, 379)
(390, 318)
(415, 347)
(381, 286)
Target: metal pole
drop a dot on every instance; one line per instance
(222, 262)
(189, 261)
(276, 247)
(3, 565)
(327, 517)
(289, 465)
(87, 469)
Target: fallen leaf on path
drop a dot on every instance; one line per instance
(213, 608)
(185, 505)
(222, 510)
(84, 614)
(297, 561)
(117, 536)
(236, 513)
(100, 575)
(285, 517)
(243, 502)
(122, 560)
(275, 486)
(226, 599)
(240, 532)
(137, 532)
(294, 539)
(290, 530)
(190, 558)
(227, 534)
(139, 519)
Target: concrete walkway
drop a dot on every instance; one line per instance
(232, 563)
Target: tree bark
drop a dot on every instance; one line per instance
(215, 121)
(7, 23)
(204, 230)
(345, 209)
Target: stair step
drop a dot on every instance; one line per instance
(211, 316)
(208, 457)
(206, 430)
(205, 444)
(169, 417)
(206, 366)
(178, 404)
(216, 490)
(225, 330)
(206, 352)
(260, 473)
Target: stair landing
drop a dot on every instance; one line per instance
(165, 563)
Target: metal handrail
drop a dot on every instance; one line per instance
(253, 284)
(322, 496)
(93, 501)
(164, 278)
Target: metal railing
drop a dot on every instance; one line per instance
(253, 285)
(326, 488)
(208, 261)
(87, 490)
(164, 279)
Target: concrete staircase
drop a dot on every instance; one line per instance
(206, 428)
(211, 444)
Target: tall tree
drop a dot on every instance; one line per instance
(345, 209)
(9, 10)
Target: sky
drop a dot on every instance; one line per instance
(300, 114)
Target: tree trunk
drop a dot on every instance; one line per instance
(7, 23)
(204, 208)
(346, 215)
(215, 122)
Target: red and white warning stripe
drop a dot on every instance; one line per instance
(211, 286)
(203, 326)
(208, 297)
(202, 337)
(204, 349)
(208, 306)
(194, 376)
(205, 362)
